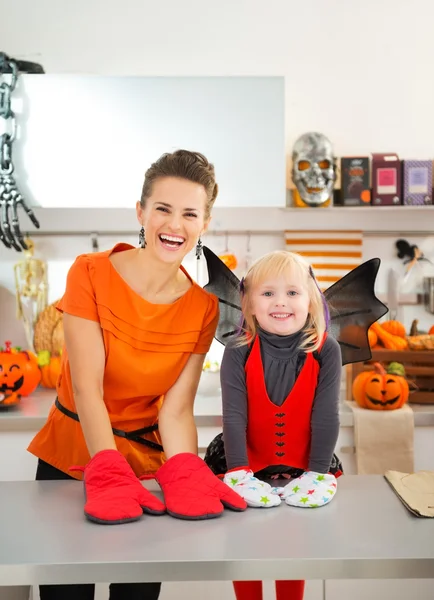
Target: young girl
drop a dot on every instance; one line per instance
(280, 384)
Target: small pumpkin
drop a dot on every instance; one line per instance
(50, 369)
(19, 371)
(353, 334)
(395, 328)
(380, 389)
(431, 331)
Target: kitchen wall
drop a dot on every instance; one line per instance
(363, 77)
(59, 252)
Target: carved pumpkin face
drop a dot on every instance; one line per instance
(19, 372)
(384, 392)
(380, 390)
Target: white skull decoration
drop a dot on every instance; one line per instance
(313, 168)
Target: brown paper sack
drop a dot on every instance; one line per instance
(384, 440)
(415, 490)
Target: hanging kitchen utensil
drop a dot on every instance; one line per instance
(393, 294)
(228, 258)
(248, 258)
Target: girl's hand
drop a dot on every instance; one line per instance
(255, 492)
(310, 490)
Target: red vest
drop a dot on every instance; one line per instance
(279, 435)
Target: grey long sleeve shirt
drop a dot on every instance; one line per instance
(282, 361)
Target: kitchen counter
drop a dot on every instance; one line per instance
(32, 412)
(365, 533)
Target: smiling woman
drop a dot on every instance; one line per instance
(137, 329)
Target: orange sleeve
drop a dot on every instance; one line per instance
(79, 297)
(209, 326)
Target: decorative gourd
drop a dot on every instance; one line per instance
(48, 332)
(50, 369)
(414, 330)
(372, 338)
(389, 341)
(421, 342)
(396, 368)
(431, 331)
(19, 371)
(395, 328)
(380, 389)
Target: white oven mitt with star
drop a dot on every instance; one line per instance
(310, 490)
(255, 492)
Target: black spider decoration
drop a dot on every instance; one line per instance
(411, 253)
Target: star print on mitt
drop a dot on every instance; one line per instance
(310, 490)
(255, 492)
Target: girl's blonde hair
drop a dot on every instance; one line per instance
(275, 265)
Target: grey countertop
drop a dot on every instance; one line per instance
(31, 413)
(366, 532)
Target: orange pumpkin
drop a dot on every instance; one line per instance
(431, 331)
(230, 260)
(50, 369)
(353, 334)
(394, 327)
(19, 371)
(380, 389)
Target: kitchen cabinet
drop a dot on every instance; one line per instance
(113, 128)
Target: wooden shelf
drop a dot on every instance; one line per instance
(404, 356)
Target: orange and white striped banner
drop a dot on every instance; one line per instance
(332, 254)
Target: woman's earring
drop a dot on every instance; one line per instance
(142, 240)
(199, 247)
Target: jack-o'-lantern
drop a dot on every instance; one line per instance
(380, 389)
(19, 372)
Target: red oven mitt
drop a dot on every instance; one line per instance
(113, 492)
(192, 491)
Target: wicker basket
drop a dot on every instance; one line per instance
(48, 333)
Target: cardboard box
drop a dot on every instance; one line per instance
(417, 182)
(386, 180)
(355, 181)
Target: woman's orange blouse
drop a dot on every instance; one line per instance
(146, 345)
